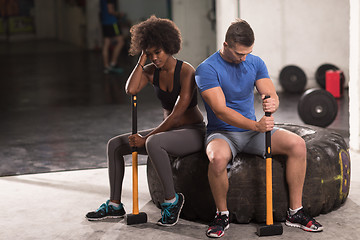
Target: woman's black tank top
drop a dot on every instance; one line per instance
(168, 99)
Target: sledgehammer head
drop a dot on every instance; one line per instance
(136, 218)
(269, 230)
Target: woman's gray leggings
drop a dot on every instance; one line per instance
(177, 142)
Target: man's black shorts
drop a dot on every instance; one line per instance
(111, 30)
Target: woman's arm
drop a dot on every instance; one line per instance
(139, 77)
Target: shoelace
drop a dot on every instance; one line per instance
(165, 212)
(104, 206)
(308, 219)
(218, 221)
(312, 220)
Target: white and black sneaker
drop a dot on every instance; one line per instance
(218, 226)
(303, 221)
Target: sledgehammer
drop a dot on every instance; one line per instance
(269, 229)
(136, 217)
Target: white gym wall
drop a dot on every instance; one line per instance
(199, 38)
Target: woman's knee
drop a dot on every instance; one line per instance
(152, 143)
(112, 145)
(118, 143)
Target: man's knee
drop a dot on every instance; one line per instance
(296, 151)
(298, 147)
(289, 144)
(218, 161)
(119, 39)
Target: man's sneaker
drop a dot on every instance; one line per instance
(218, 226)
(113, 69)
(106, 211)
(107, 70)
(116, 70)
(170, 212)
(302, 220)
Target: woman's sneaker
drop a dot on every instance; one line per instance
(170, 212)
(303, 221)
(218, 226)
(106, 211)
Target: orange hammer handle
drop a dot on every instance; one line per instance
(135, 158)
(135, 182)
(269, 200)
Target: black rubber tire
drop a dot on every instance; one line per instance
(326, 186)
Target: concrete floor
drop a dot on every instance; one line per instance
(53, 206)
(57, 112)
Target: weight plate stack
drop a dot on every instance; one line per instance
(317, 107)
(293, 79)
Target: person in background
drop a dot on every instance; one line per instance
(180, 133)
(226, 81)
(111, 32)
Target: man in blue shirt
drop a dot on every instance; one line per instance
(111, 31)
(226, 81)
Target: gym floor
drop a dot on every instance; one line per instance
(58, 110)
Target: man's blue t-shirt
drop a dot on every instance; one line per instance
(237, 81)
(106, 17)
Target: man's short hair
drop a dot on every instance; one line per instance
(240, 32)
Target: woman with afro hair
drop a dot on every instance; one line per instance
(180, 133)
